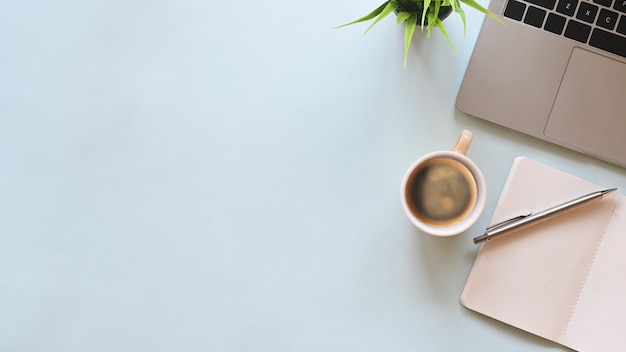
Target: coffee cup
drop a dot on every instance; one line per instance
(444, 192)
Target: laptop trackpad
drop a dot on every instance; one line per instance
(594, 125)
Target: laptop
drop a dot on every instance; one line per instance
(556, 70)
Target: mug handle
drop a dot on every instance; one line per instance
(463, 143)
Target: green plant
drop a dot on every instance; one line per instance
(425, 12)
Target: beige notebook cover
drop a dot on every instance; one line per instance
(564, 279)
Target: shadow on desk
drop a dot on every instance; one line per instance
(444, 263)
(513, 332)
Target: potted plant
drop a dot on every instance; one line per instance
(428, 13)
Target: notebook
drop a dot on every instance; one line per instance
(555, 70)
(564, 279)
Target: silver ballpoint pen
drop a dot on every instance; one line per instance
(521, 222)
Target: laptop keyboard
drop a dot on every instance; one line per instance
(599, 23)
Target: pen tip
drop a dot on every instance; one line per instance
(481, 239)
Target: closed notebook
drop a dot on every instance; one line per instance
(564, 279)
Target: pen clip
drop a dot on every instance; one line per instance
(509, 221)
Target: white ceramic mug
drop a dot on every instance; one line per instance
(444, 193)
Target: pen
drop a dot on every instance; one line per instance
(521, 222)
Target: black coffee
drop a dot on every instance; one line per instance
(441, 192)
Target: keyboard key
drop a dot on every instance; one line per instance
(608, 41)
(548, 4)
(567, 7)
(620, 5)
(577, 31)
(606, 3)
(607, 19)
(515, 10)
(621, 27)
(535, 16)
(555, 23)
(587, 12)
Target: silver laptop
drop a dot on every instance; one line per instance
(556, 70)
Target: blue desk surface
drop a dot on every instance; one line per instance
(224, 176)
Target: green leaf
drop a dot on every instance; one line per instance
(461, 14)
(429, 18)
(479, 7)
(425, 11)
(403, 16)
(432, 21)
(411, 23)
(440, 26)
(433, 17)
(391, 6)
(369, 16)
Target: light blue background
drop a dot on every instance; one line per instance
(224, 176)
